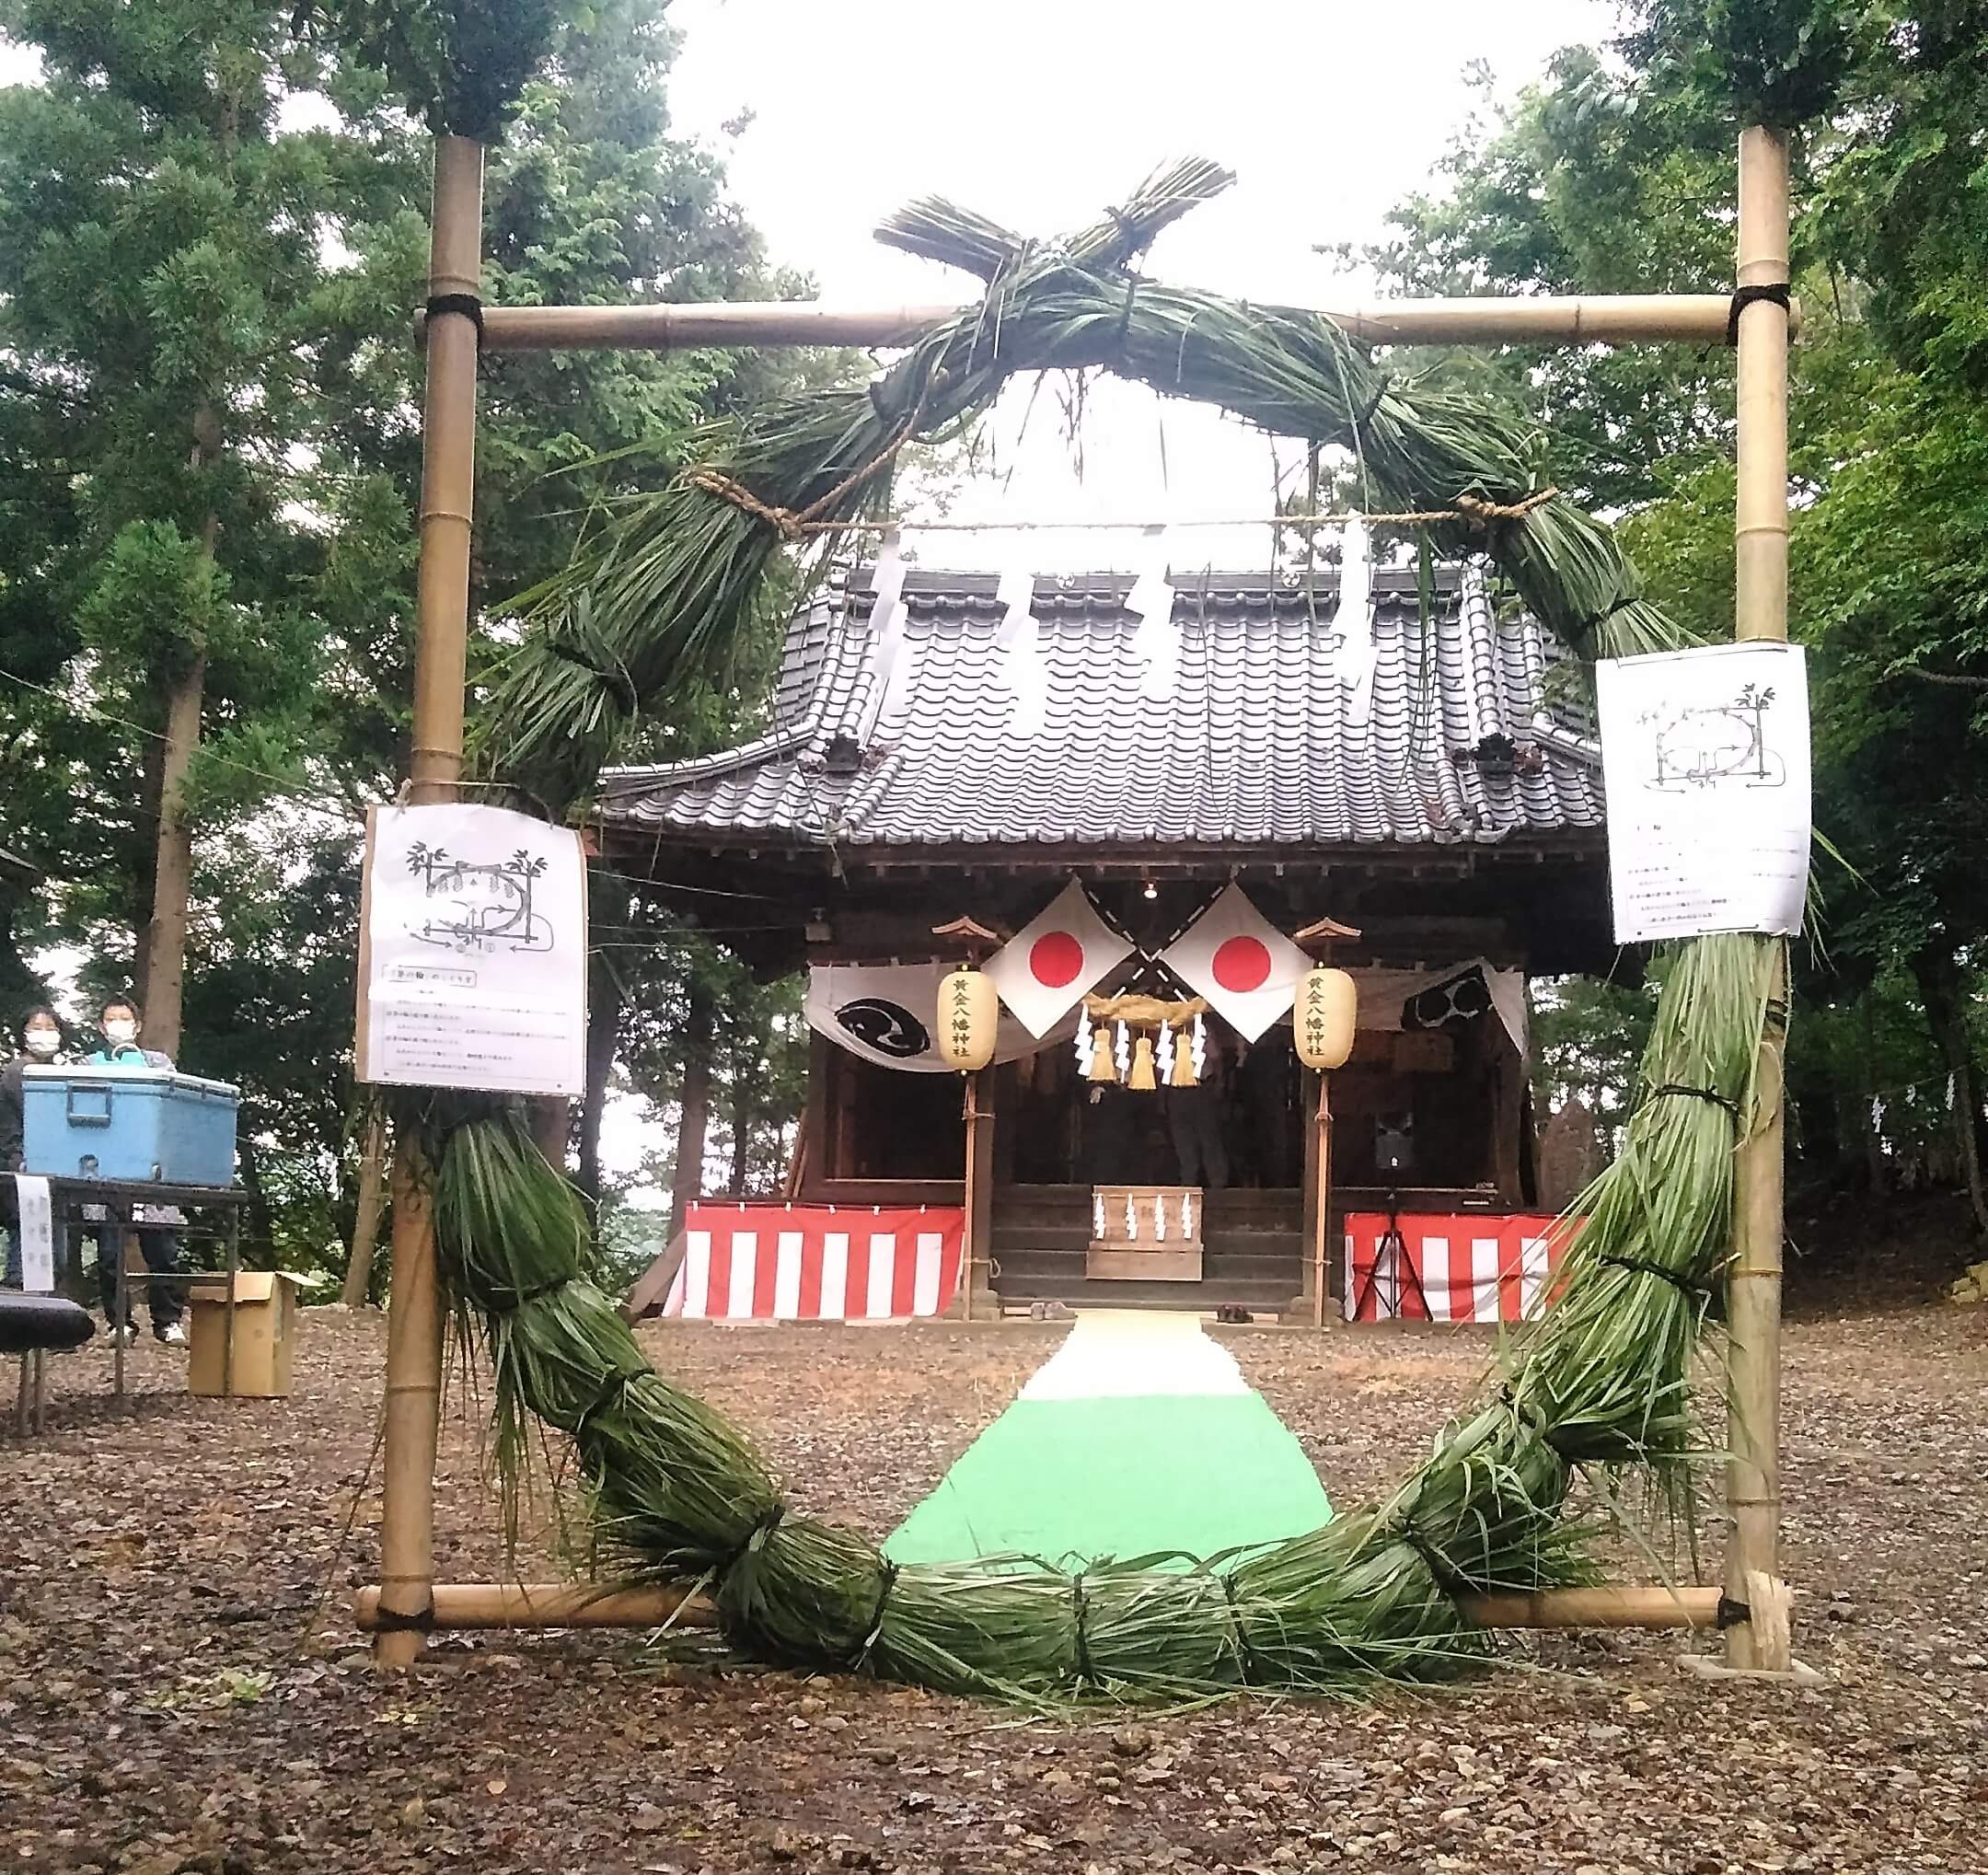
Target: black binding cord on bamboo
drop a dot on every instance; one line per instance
(466, 304)
(391, 1621)
(1775, 292)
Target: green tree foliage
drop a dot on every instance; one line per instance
(1617, 174)
(213, 218)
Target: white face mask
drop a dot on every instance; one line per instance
(42, 1041)
(121, 1031)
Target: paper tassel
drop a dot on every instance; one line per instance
(1100, 1055)
(1186, 1215)
(1083, 1042)
(1131, 1219)
(1159, 1218)
(1164, 1052)
(1142, 1080)
(1125, 1050)
(1183, 1071)
(1097, 1216)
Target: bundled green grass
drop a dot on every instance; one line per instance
(668, 581)
(676, 1493)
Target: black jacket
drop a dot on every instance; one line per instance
(10, 1113)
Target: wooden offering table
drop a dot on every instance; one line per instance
(1145, 1233)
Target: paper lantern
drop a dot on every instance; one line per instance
(1323, 1016)
(969, 1013)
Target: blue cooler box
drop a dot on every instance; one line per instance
(135, 1125)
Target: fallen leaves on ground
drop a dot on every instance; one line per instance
(181, 1691)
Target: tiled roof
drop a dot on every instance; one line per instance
(1266, 733)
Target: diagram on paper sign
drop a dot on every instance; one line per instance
(485, 905)
(1706, 745)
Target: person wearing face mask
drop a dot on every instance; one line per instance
(40, 1041)
(120, 1022)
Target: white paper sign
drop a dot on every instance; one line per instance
(37, 1233)
(1704, 755)
(475, 951)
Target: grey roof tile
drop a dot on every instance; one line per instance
(1259, 741)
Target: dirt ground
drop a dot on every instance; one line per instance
(180, 1688)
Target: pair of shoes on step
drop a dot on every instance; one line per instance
(1051, 1311)
(172, 1334)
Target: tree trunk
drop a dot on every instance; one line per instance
(172, 875)
(1938, 976)
(172, 878)
(1875, 1170)
(144, 881)
(609, 902)
(372, 1201)
(741, 1135)
(693, 1107)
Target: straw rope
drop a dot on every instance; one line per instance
(1473, 510)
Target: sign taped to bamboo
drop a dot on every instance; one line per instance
(1704, 755)
(473, 962)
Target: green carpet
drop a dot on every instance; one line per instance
(1139, 1435)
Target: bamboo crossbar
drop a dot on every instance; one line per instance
(1599, 319)
(461, 1605)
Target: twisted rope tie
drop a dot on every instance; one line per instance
(861, 1663)
(1246, 1654)
(1699, 1292)
(1079, 1603)
(1670, 1089)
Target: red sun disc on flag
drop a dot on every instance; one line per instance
(1055, 957)
(1240, 965)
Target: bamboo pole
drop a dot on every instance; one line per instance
(448, 449)
(1606, 319)
(565, 1604)
(1321, 1201)
(1759, 611)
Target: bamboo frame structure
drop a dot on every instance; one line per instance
(1546, 319)
(441, 657)
(408, 1603)
(1759, 611)
(566, 1604)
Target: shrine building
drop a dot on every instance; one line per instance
(935, 779)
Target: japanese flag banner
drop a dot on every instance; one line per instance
(1235, 957)
(1054, 958)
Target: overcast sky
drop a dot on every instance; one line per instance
(1039, 113)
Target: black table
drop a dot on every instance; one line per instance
(119, 1199)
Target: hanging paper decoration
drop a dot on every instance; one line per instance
(1083, 1042)
(970, 1014)
(1323, 1019)
(1159, 1216)
(1186, 1214)
(1131, 1218)
(1236, 958)
(1164, 1052)
(1097, 1216)
(1059, 954)
(1200, 1047)
(1141, 1078)
(1124, 1050)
